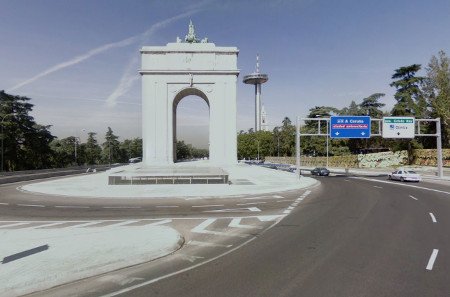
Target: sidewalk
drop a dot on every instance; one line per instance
(36, 259)
(245, 180)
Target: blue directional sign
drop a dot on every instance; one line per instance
(350, 127)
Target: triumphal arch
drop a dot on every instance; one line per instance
(183, 68)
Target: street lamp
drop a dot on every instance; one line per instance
(76, 138)
(3, 136)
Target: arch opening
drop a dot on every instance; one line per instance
(191, 125)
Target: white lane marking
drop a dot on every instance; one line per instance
(201, 228)
(411, 196)
(31, 205)
(212, 205)
(402, 185)
(432, 259)
(433, 218)
(287, 211)
(290, 208)
(167, 206)
(236, 223)
(13, 225)
(166, 221)
(70, 206)
(264, 198)
(151, 281)
(286, 200)
(252, 209)
(121, 207)
(277, 196)
(270, 218)
(2, 203)
(251, 203)
(82, 225)
(378, 187)
(346, 180)
(208, 244)
(44, 225)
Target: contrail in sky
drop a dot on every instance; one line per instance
(101, 49)
(130, 76)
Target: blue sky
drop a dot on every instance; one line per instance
(78, 60)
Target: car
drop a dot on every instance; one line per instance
(405, 175)
(320, 171)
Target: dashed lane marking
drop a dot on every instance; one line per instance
(432, 259)
(2, 203)
(31, 205)
(433, 218)
(71, 206)
(251, 203)
(167, 206)
(402, 185)
(121, 207)
(378, 187)
(252, 209)
(412, 197)
(212, 205)
(286, 200)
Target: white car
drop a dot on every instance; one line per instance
(405, 175)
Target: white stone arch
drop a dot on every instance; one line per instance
(170, 73)
(189, 91)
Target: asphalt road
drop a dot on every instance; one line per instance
(351, 237)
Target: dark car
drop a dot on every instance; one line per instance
(321, 171)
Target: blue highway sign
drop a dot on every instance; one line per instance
(350, 127)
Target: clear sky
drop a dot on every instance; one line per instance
(78, 60)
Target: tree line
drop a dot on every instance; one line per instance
(28, 145)
(426, 97)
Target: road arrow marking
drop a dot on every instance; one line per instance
(236, 223)
(201, 228)
(252, 209)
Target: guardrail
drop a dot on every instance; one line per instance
(18, 176)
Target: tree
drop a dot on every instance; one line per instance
(93, 151)
(26, 145)
(437, 89)
(410, 99)
(371, 107)
(111, 147)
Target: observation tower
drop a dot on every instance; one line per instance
(257, 79)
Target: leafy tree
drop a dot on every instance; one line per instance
(26, 144)
(63, 152)
(353, 109)
(111, 148)
(93, 151)
(437, 89)
(371, 107)
(410, 99)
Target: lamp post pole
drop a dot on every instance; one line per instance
(3, 136)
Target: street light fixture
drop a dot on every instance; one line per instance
(3, 136)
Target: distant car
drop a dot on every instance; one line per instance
(405, 175)
(135, 160)
(321, 171)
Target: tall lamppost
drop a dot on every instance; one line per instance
(76, 138)
(3, 136)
